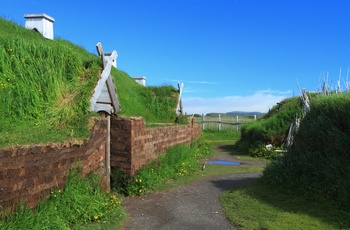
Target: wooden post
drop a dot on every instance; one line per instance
(202, 121)
(219, 122)
(108, 154)
(179, 103)
(237, 124)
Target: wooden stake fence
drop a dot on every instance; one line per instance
(221, 123)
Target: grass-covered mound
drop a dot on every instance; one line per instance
(46, 85)
(154, 104)
(317, 165)
(272, 128)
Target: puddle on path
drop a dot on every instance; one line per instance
(221, 162)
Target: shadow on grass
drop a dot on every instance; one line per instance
(283, 201)
(228, 184)
(226, 148)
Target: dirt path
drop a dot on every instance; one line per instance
(193, 206)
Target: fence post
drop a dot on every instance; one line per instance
(202, 121)
(108, 154)
(237, 124)
(219, 122)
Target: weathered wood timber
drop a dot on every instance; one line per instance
(105, 96)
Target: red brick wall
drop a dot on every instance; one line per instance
(133, 145)
(30, 173)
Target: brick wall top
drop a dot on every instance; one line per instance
(136, 146)
(30, 172)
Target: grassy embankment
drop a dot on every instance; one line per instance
(45, 87)
(308, 187)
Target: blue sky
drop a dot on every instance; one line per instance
(231, 55)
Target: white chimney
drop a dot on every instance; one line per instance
(43, 23)
(114, 62)
(140, 80)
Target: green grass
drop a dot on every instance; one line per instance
(317, 165)
(213, 140)
(224, 135)
(258, 206)
(154, 104)
(307, 187)
(178, 161)
(80, 203)
(271, 128)
(46, 85)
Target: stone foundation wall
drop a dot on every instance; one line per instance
(30, 173)
(133, 145)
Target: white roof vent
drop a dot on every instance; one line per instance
(43, 23)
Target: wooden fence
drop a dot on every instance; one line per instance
(223, 122)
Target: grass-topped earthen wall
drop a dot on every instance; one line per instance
(30, 173)
(133, 145)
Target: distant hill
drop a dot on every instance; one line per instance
(240, 113)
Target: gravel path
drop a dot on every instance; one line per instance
(193, 206)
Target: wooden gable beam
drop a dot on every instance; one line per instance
(105, 79)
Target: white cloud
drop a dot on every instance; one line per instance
(196, 82)
(270, 91)
(205, 82)
(258, 102)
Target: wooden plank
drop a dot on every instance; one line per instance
(104, 107)
(100, 52)
(99, 49)
(105, 90)
(100, 85)
(179, 104)
(104, 96)
(113, 94)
